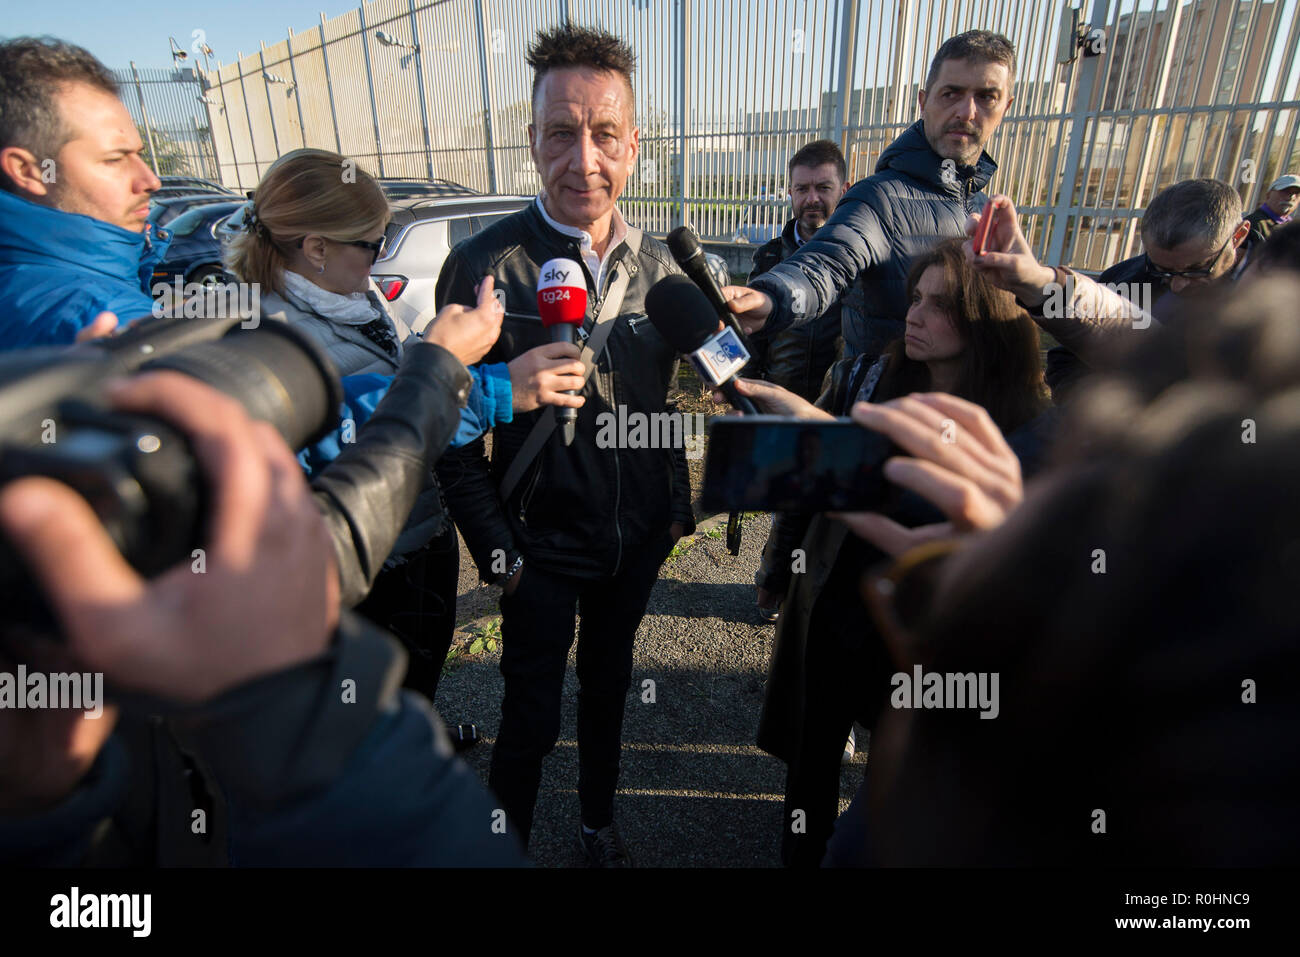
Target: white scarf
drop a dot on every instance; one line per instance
(354, 309)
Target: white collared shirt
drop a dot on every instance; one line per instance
(595, 264)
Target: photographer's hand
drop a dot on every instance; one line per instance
(468, 333)
(772, 399)
(961, 463)
(266, 599)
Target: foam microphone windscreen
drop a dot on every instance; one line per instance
(681, 313)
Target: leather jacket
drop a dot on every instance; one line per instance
(368, 492)
(579, 509)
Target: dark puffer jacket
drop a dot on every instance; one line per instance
(909, 204)
(581, 509)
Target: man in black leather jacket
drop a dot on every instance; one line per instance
(587, 526)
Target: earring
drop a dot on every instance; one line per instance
(322, 268)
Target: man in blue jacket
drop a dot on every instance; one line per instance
(74, 197)
(925, 185)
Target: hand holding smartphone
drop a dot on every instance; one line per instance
(987, 219)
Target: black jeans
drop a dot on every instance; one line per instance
(416, 601)
(537, 625)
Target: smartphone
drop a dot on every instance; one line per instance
(987, 219)
(772, 463)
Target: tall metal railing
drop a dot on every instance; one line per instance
(169, 111)
(1114, 101)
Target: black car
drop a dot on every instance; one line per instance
(195, 250)
(163, 211)
(173, 186)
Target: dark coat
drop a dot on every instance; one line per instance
(798, 357)
(831, 550)
(911, 202)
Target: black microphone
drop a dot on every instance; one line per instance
(682, 314)
(689, 254)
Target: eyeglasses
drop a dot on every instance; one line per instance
(1203, 273)
(377, 248)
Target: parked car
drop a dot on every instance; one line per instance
(756, 224)
(416, 244)
(195, 250)
(163, 211)
(173, 186)
(397, 189)
(418, 240)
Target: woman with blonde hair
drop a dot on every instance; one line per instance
(315, 228)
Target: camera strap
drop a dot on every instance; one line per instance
(603, 326)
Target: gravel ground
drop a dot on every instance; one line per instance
(694, 790)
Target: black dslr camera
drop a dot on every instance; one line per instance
(139, 474)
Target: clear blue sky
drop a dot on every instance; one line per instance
(137, 30)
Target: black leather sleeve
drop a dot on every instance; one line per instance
(464, 473)
(366, 494)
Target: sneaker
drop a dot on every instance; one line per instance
(463, 736)
(605, 848)
(849, 747)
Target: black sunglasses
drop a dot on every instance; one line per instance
(376, 248)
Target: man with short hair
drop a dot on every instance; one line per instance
(1276, 208)
(925, 185)
(74, 197)
(581, 528)
(1193, 236)
(797, 358)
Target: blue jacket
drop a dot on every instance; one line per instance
(909, 204)
(59, 270)
(490, 402)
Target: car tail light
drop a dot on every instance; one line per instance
(390, 286)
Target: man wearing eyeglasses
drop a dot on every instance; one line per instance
(1194, 237)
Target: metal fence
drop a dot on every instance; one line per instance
(1114, 101)
(168, 109)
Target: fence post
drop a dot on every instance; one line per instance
(248, 116)
(270, 107)
(683, 108)
(370, 85)
(419, 82)
(848, 56)
(1078, 126)
(329, 86)
(144, 115)
(487, 97)
(297, 94)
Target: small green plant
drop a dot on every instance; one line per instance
(486, 637)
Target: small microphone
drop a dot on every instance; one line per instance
(681, 312)
(562, 304)
(689, 255)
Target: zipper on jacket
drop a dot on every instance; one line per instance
(529, 492)
(618, 471)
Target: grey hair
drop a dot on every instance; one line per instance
(1200, 210)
